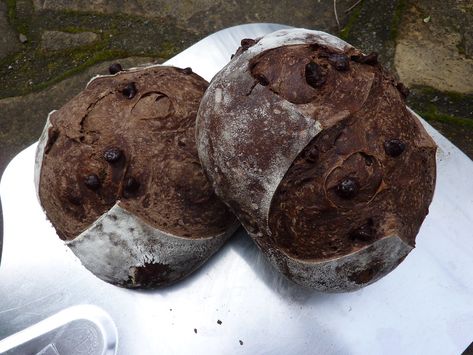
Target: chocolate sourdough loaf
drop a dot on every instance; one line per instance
(309, 142)
(119, 178)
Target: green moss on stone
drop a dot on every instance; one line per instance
(455, 97)
(168, 50)
(431, 114)
(11, 11)
(120, 36)
(21, 25)
(94, 59)
(451, 108)
(345, 32)
(397, 17)
(72, 29)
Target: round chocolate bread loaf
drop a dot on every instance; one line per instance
(118, 175)
(309, 142)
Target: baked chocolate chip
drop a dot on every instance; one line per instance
(92, 181)
(262, 79)
(312, 155)
(394, 147)
(131, 186)
(339, 61)
(368, 159)
(232, 56)
(403, 89)
(347, 188)
(187, 70)
(129, 90)
(115, 68)
(112, 154)
(314, 75)
(370, 59)
(247, 43)
(219, 322)
(364, 233)
(74, 199)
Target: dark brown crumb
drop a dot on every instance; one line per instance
(53, 134)
(370, 59)
(403, 89)
(131, 186)
(247, 43)
(241, 342)
(262, 80)
(195, 330)
(219, 322)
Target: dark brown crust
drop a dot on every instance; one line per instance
(154, 130)
(285, 70)
(308, 217)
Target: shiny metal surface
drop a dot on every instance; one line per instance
(1, 231)
(76, 330)
(423, 307)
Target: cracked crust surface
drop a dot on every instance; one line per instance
(309, 142)
(118, 175)
(157, 175)
(308, 218)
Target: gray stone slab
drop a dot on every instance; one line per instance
(57, 40)
(429, 46)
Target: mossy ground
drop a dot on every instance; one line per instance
(120, 36)
(397, 17)
(441, 106)
(355, 14)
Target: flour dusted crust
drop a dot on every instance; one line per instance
(118, 175)
(310, 143)
(120, 246)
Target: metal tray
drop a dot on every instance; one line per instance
(237, 303)
(76, 330)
